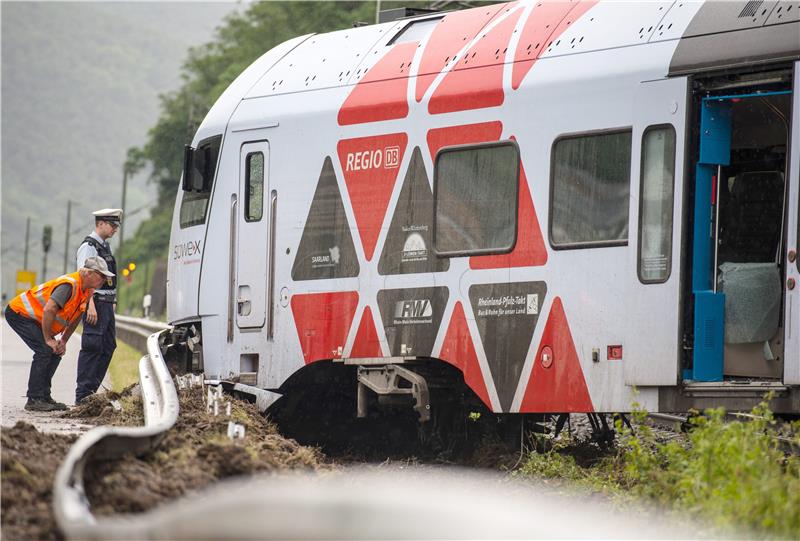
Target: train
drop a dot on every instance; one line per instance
(525, 208)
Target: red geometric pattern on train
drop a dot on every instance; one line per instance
(561, 386)
(529, 251)
(370, 166)
(448, 37)
(458, 350)
(466, 86)
(463, 135)
(383, 92)
(545, 24)
(323, 321)
(366, 343)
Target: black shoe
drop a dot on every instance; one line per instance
(83, 399)
(40, 404)
(60, 406)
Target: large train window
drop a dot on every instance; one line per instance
(656, 202)
(590, 189)
(254, 189)
(475, 191)
(200, 164)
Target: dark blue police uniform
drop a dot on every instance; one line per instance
(98, 341)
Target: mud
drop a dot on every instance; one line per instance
(29, 462)
(195, 453)
(99, 408)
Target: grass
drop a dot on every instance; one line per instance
(732, 475)
(124, 367)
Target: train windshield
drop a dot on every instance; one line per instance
(200, 166)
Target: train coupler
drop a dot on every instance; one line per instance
(393, 381)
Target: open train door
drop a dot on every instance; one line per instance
(791, 373)
(252, 231)
(652, 356)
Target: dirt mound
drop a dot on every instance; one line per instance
(100, 408)
(195, 453)
(29, 463)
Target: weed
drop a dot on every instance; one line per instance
(731, 475)
(124, 368)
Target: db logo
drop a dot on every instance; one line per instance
(392, 157)
(388, 158)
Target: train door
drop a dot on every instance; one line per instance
(740, 220)
(654, 275)
(252, 236)
(791, 374)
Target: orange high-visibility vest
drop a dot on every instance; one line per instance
(31, 303)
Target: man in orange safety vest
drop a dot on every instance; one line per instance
(49, 310)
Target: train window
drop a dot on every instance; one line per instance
(254, 189)
(194, 204)
(590, 190)
(475, 191)
(656, 203)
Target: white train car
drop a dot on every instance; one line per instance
(565, 206)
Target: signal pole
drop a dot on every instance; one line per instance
(47, 239)
(124, 194)
(27, 236)
(66, 240)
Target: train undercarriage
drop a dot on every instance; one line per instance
(410, 406)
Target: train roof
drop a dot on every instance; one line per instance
(708, 35)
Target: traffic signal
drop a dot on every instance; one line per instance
(47, 238)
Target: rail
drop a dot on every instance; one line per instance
(160, 402)
(135, 331)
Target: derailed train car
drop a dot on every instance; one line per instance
(540, 207)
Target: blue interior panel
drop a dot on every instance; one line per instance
(715, 132)
(709, 336)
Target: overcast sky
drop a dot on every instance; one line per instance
(80, 85)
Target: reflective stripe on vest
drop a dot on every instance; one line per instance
(28, 307)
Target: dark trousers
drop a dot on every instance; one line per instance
(45, 361)
(98, 343)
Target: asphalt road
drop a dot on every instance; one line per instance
(16, 364)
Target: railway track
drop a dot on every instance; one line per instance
(681, 423)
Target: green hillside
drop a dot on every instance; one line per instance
(80, 85)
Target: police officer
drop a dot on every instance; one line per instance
(99, 327)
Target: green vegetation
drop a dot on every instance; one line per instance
(124, 368)
(732, 475)
(81, 84)
(129, 295)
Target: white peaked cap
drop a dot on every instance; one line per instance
(114, 215)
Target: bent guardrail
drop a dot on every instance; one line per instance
(160, 402)
(135, 331)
